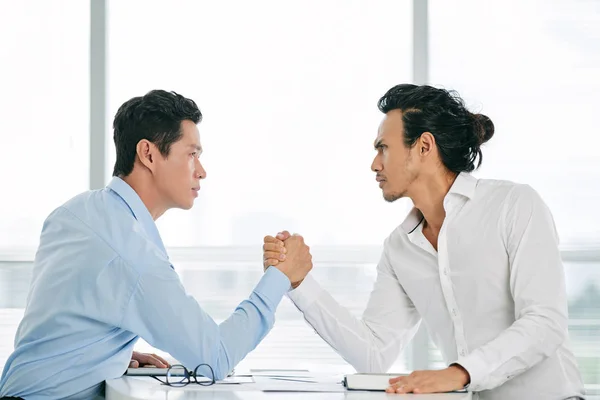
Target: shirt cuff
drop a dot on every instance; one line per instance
(273, 285)
(476, 368)
(306, 294)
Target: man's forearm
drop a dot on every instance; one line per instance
(251, 321)
(369, 345)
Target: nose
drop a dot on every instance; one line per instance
(200, 172)
(376, 164)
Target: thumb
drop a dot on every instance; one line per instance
(283, 235)
(134, 364)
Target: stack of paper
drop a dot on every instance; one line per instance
(296, 381)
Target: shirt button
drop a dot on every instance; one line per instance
(454, 311)
(445, 271)
(463, 353)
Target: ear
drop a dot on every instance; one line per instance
(426, 144)
(146, 152)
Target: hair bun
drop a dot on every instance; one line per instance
(483, 127)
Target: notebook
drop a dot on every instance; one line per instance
(146, 371)
(373, 382)
(378, 382)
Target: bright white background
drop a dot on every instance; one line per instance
(44, 112)
(288, 91)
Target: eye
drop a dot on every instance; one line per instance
(194, 154)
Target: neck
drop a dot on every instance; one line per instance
(141, 182)
(428, 197)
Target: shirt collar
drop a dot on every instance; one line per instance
(412, 221)
(464, 185)
(138, 209)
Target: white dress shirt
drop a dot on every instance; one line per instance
(492, 297)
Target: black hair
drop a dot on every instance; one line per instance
(156, 117)
(458, 133)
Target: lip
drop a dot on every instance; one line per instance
(196, 190)
(381, 183)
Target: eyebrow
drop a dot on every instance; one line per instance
(196, 147)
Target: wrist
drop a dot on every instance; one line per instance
(462, 374)
(296, 284)
(283, 270)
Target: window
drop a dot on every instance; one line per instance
(288, 91)
(43, 113)
(44, 135)
(534, 68)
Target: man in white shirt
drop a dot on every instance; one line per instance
(476, 260)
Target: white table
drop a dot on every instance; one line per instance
(143, 388)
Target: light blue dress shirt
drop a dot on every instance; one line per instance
(101, 279)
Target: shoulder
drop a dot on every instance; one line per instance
(106, 220)
(507, 194)
(495, 188)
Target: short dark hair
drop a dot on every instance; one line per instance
(458, 133)
(156, 117)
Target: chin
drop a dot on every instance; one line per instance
(391, 197)
(186, 205)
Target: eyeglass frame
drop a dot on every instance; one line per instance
(188, 376)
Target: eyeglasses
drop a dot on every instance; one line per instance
(179, 376)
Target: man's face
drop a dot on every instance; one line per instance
(178, 175)
(395, 164)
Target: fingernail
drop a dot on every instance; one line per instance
(282, 256)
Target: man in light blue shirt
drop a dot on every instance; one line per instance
(102, 277)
